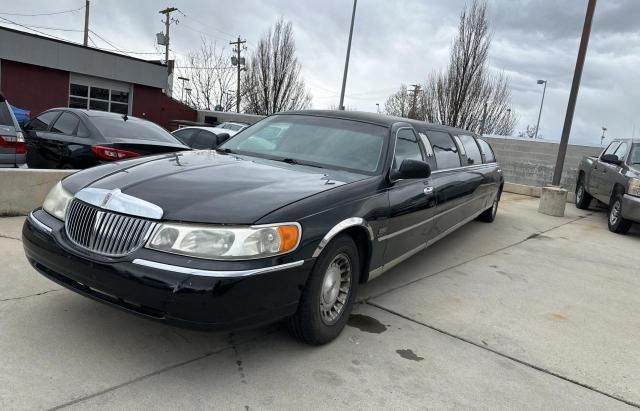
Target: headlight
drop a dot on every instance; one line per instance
(634, 187)
(57, 201)
(225, 243)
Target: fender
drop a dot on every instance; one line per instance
(340, 227)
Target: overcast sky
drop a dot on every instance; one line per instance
(402, 41)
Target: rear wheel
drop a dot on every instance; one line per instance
(583, 199)
(617, 223)
(328, 296)
(489, 214)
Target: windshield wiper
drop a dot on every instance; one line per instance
(299, 163)
(226, 150)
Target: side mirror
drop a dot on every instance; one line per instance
(221, 138)
(412, 169)
(611, 159)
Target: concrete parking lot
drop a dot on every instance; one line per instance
(531, 312)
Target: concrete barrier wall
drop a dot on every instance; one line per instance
(531, 162)
(22, 190)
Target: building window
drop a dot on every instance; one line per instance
(98, 98)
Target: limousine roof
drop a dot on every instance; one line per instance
(380, 119)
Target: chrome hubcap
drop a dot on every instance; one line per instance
(335, 289)
(614, 215)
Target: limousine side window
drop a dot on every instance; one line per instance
(473, 152)
(426, 145)
(445, 150)
(407, 147)
(487, 151)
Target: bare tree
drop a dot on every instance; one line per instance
(467, 94)
(406, 103)
(210, 78)
(529, 132)
(273, 82)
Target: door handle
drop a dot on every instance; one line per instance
(428, 190)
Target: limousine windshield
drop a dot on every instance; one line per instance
(314, 140)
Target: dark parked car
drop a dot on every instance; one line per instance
(264, 229)
(201, 138)
(614, 179)
(12, 146)
(74, 138)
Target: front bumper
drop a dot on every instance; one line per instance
(179, 290)
(631, 208)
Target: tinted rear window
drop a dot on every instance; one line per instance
(5, 115)
(489, 157)
(445, 150)
(117, 128)
(473, 152)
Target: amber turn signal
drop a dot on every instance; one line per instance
(289, 237)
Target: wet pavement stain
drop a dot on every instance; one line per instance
(366, 324)
(409, 355)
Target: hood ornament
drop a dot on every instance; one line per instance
(116, 200)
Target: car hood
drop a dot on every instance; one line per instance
(211, 187)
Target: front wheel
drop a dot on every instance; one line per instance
(617, 223)
(328, 296)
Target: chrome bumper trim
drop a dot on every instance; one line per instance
(210, 273)
(39, 223)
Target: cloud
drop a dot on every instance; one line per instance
(403, 41)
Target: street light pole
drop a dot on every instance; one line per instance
(573, 97)
(346, 62)
(544, 91)
(602, 138)
(378, 107)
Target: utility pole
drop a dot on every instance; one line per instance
(604, 129)
(167, 23)
(239, 61)
(346, 62)
(378, 108)
(86, 23)
(416, 89)
(573, 97)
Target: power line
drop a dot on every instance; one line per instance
(45, 27)
(43, 14)
(116, 48)
(37, 31)
(106, 41)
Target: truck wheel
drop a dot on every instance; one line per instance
(617, 223)
(583, 199)
(328, 296)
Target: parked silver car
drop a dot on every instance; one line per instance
(13, 150)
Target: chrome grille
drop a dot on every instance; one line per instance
(104, 232)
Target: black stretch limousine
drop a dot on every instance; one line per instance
(282, 221)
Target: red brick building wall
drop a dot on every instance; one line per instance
(32, 87)
(152, 104)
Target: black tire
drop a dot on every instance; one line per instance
(489, 215)
(617, 224)
(583, 199)
(308, 324)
